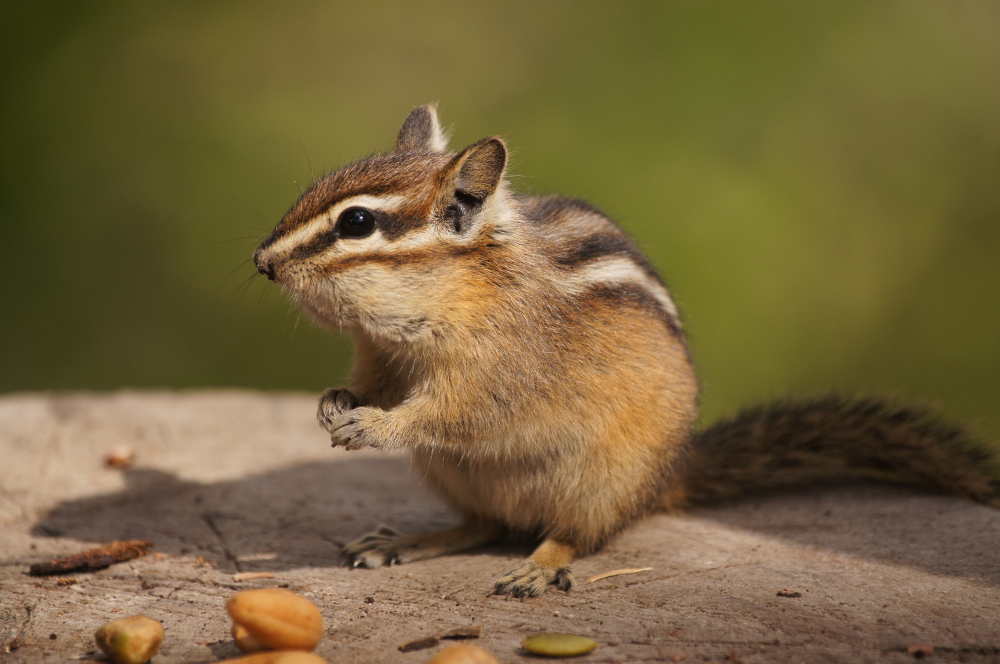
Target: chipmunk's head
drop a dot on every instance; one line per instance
(382, 244)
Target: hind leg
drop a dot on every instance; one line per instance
(548, 565)
(385, 546)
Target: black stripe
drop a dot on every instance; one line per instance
(395, 225)
(595, 246)
(391, 226)
(606, 244)
(292, 221)
(546, 209)
(631, 295)
(318, 243)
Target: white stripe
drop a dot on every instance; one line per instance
(438, 139)
(323, 221)
(376, 243)
(618, 269)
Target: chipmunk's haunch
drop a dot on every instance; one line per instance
(534, 364)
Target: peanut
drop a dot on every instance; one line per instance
(463, 654)
(131, 640)
(275, 618)
(278, 657)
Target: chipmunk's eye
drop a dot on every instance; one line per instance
(355, 222)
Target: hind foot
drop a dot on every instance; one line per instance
(374, 549)
(547, 566)
(385, 546)
(531, 580)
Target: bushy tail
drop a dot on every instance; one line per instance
(807, 443)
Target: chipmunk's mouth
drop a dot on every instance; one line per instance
(295, 278)
(318, 300)
(264, 265)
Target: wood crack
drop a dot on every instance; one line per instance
(209, 519)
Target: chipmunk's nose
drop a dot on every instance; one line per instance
(264, 266)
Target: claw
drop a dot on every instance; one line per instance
(564, 579)
(374, 549)
(333, 404)
(531, 580)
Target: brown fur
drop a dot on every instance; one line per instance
(379, 174)
(530, 358)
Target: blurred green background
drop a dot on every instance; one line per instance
(818, 182)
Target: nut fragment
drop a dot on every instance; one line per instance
(558, 645)
(277, 657)
(121, 457)
(463, 654)
(275, 618)
(131, 640)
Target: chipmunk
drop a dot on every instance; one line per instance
(533, 362)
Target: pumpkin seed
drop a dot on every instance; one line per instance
(558, 645)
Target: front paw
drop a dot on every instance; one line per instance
(334, 403)
(357, 428)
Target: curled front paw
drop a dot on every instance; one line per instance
(356, 429)
(334, 403)
(531, 580)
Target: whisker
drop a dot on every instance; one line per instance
(241, 265)
(244, 285)
(241, 238)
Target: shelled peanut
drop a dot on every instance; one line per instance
(131, 640)
(274, 618)
(463, 654)
(278, 657)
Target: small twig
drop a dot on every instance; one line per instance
(250, 576)
(618, 572)
(93, 559)
(457, 633)
(419, 644)
(460, 633)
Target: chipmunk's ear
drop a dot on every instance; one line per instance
(476, 171)
(421, 131)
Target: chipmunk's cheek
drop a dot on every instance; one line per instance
(283, 274)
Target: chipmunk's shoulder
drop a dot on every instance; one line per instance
(574, 233)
